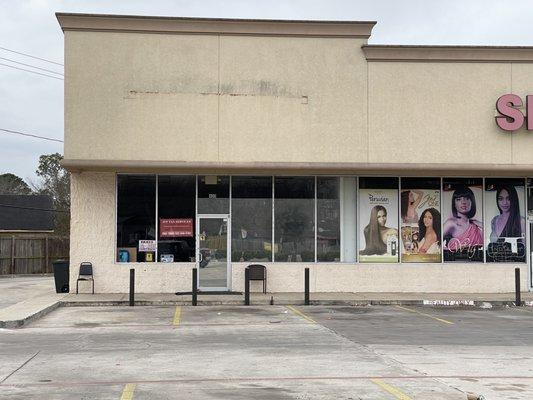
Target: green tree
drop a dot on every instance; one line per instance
(55, 182)
(12, 184)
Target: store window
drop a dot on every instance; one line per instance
(176, 207)
(213, 194)
(420, 220)
(251, 218)
(505, 220)
(328, 219)
(136, 241)
(349, 218)
(378, 216)
(462, 212)
(294, 220)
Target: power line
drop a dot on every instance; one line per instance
(33, 208)
(33, 72)
(31, 66)
(27, 55)
(30, 135)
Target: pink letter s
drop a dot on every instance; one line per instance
(510, 119)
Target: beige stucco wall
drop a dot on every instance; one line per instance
(93, 239)
(133, 96)
(444, 112)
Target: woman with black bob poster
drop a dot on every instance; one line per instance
(463, 226)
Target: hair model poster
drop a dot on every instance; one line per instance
(505, 222)
(421, 220)
(378, 220)
(462, 210)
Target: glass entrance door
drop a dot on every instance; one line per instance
(213, 249)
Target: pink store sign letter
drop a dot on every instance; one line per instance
(511, 117)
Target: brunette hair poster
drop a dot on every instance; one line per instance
(421, 220)
(378, 220)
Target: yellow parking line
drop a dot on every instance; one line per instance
(127, 393)
(392, 390)
(177, 316)
(426, 315)
(301, 314)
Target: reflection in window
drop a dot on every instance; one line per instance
(176, 197)
(136, 218)
(251, 218)
(328, 219)
(349, 219)
(294, 221)
(213, 194)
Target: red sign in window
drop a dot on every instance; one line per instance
(175, 227)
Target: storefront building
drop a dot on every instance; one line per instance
(217, 144)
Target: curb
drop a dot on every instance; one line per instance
(13, 324)
(18, 323)
(264, 302)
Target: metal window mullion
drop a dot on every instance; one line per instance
(316, 219)
(357, 219)
(483, 217)
(528, 238)
(341, 216)
(228, 244)
(116, 219)
(272, 240)
(400, 236)
(197, 223)
(156, 216)
(441, 222)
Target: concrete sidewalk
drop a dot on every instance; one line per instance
(28, 310)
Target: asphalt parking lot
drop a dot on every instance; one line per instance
(270, 352)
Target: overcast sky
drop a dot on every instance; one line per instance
(34, 104)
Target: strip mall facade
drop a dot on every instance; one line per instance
(217, 144)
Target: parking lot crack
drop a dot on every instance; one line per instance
(21, 366)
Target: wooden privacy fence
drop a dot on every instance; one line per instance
(31, 255)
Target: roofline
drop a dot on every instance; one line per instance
(213, 26)
(398, 53)
(298, 168)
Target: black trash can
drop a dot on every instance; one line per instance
(61, 275)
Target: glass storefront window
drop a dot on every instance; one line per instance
(213, 194)
(378, 216)
(328, 219)
(136, 218)
(420, 220)
(349, 219)
(504, 220)
(294, 220)
(251, 218)
(177, 204)
(462, 212)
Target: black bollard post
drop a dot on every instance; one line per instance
(246, 287)
(306, 302)
(518, 301)
(132, 287)
(194, 287)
